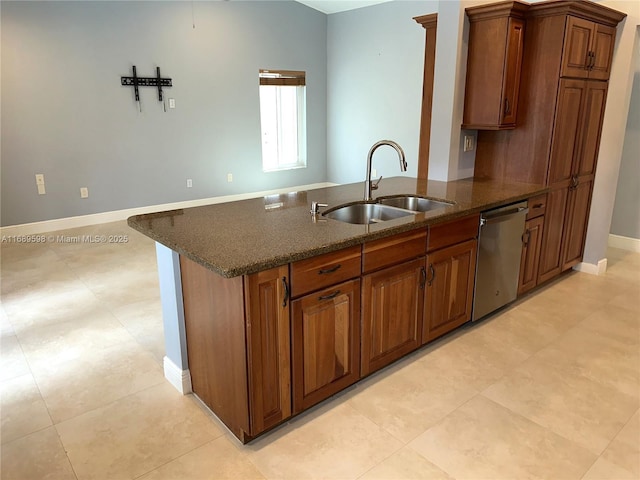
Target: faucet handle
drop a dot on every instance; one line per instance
(315, 207)
(374, 185)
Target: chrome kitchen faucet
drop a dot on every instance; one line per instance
(368, 185)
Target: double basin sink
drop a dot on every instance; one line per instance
(383, 209)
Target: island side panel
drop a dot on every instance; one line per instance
(216, 348)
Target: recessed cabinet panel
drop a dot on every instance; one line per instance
(449, 288)
(603, 43)
(531, 242)
(566, 128)
(576, 224)
(326, 340)
(392, 314)
(494, 61)
(550, 251)
(513, 65)
(596, 96)
(268, 348)
(576, 55)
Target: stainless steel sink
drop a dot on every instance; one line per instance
(414, 203)
(363, 213)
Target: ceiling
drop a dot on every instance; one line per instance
(335, 6)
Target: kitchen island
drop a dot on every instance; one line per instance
(269, 309)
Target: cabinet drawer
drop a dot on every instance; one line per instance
(537, 206)
(453, 232)
(324, 270)
(390, 251)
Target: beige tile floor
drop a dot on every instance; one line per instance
(549, 388)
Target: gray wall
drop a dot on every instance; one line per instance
(375, 67)
(626, 210)
(65, 114)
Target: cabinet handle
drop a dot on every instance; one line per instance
(593, 60)
(538, 205)
(525, 237)
(423, 277)
(574, 182)
(507, 107)
(432, 274)
(330, 296)
(286, 291)
(329, 270)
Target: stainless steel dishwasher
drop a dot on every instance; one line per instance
(499, 251)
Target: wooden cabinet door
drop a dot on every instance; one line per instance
(550, 250)
(565, 142)
(577, 48)
(268, 348)
(449, 289)
(531, 243)
(594, 103)
(576, 224)
(392, 314)
(604, 38)
(326, 343)
(494, 61)
(512, 67)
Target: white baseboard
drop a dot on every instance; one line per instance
(624, 243)
(180, 379)
(117, 215)
(592, 269)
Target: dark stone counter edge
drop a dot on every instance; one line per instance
(273, 262)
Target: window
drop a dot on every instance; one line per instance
(283, 120)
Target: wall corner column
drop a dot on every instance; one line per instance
(176, 364)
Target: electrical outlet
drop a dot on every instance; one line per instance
(84, 192)
(40, 183)
(172, 103)
(469, 143)
(374, 173)
(189, 183)
(229, 177)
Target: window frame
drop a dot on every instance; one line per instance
(283, 78)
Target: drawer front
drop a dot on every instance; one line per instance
(324, 270)
(453, 232)
(390, 251)
(537, 206)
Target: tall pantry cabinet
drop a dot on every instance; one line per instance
(568, 49)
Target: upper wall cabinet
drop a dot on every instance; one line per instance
(588, 49)
(496, 42)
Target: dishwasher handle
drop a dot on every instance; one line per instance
(503, 215)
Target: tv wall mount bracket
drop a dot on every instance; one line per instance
(136, 82)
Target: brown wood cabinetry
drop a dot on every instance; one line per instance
(588, 49)
(392, 313)
(450, 275)
(449, 288)
(531, 243)
(268, 348)
(238, 345)
(496, 43)
(576, 218)
(566, 64)
(392, 298)
(326, 343)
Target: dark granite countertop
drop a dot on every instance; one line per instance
(248, 236)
